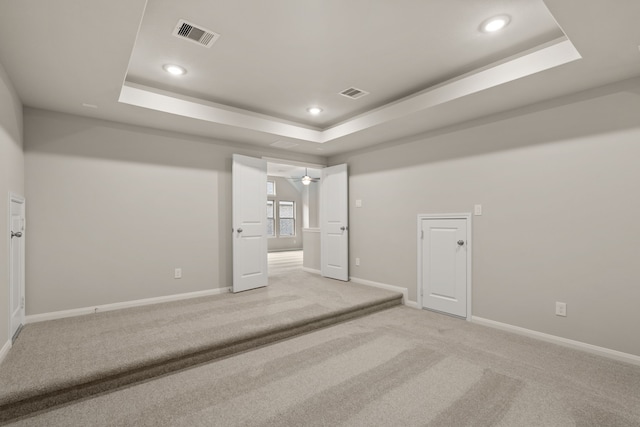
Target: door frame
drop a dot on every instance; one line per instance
(466, 216)
(15, 198)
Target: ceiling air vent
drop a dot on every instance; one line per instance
(354, 93)
(195, 33)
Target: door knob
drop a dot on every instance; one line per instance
(239, 230)
(18, 234)
(460, 242)
(343, 228)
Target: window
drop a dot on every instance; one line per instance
(287, 224)
(271, 226)
(271, 188)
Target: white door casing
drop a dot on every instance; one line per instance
(334, 222)
(16, 263)
(249, 204)
(444, 263)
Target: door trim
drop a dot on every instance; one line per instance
(15, 198)
(466, 216)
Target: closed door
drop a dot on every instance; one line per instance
(16, 265)
(334, 216)
(444, 251)
(249, 230)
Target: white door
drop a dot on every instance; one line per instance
(444, 251)
(334, 225)
(249, 230)
(16, 265)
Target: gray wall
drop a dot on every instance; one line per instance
(11, 181)
(287, 191)
(313, 194)
(560, 188)
(113, 209)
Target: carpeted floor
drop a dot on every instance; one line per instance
(67, 359)
(397, 367)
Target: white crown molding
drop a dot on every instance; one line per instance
(546, 56)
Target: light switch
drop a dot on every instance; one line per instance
(358, 203)
(477, 209)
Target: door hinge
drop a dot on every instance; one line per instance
(422, 234)
(22, 303)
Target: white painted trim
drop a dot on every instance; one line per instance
(293, 163)
(467, 216)
(5, 350)
(543, 57)
(578, 345)
(311, 270)
(403, 291)
(34, 318)
(412, 304)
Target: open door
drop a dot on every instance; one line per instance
(249, 206)
(334, 225)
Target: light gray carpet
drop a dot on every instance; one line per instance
(398, 367)
(67, 359)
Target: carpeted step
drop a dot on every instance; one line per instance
(60, 361)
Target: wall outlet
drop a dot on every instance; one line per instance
(357, 261)
(561, 309)
(177, 274)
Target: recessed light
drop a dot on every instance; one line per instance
(496, 23)
(314, 110)
(173, 69)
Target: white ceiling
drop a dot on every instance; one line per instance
(425, 63)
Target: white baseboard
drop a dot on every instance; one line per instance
(5, 350)
(403, 291)
(120, 305)
(412, 304)
(594, 349)
(310, 270)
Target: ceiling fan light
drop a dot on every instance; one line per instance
(306, 180)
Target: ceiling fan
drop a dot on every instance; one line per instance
(306, 179)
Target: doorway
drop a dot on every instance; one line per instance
(251, 220)
(444, 263)
(293, 216)
(16, 264)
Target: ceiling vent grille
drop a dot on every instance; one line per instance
(354, 93)
(194, 33)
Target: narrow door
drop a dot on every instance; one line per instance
(444, 265)
(16, 266)
(334, 225)
(249, 228)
